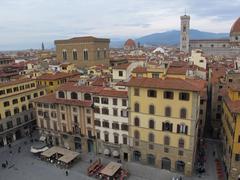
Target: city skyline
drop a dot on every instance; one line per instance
(43, 21)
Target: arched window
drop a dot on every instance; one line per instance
(151, 124)
(64, 55)
(61, 94)
(24, 108)
(16, 110)
(151, 109)
(74, 95)
(74, 53)
(181, 143)
(166, 140)
(87, 97)
(183, 113)
(168, 111)
(136, 134)
(136, 107)
(151, 137)
(30, 106)
(136, 121)
(85, 54)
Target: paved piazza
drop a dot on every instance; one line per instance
(25, 166)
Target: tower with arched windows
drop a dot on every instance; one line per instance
(184, 35)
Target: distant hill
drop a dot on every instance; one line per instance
(172, 37)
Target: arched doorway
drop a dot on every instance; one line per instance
(180, 166)
(166, 163)
(136, 155)
(151, 159)
(77, 141)
(9, 138)
(18, 134)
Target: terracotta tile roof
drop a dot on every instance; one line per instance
(15, 82)
(99, 82)
(82, 39)
(168, 83)
(72, 86)
(56, 76)
(234, 86)
(121, 83)
(140, 70)
(233, 106)
(113, 93)
(122, 66)
(177, 70)
(51, 98)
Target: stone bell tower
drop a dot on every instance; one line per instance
(184, 34)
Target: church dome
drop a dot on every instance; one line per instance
(235, 30)
(130, 44)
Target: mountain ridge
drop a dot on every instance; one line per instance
(172, 37)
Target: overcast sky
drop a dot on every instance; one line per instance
(27, 23)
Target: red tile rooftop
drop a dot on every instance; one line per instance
(168, 83)
(72, 86)
(113, 93)
(122, 66)
(56, 76)
(139, 70)
(15, 82)
(177, 70)
(51, 99)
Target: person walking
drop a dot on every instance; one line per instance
(6, 162)
(66, 172)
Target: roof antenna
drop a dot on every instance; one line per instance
(185, 11)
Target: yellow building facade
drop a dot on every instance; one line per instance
(17, 115)
(163, 121)
(52, 81)
(231, 132)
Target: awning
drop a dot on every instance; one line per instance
(42, 138)
(111, 169)
(115, 153)
(106, 152)
(35, 150)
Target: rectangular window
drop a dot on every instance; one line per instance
(23, 99)
(184, 96)
(63, 116)
(237, 157)
(106, 137)
(97, 122)
(155, 75)
(168, 95)
(105, 111)
(104, 100)
(124, 127)
(9, 91)
(98, 135)
(115, 101)
(120, 73)
(136, 92)
(124, 140)
(124, 102)
(116, 139)
(105, 124)
(6, 103)
(152, 93)
(115, 112)
(89, 121)
(96, 99)
(115, 126)
(55, 126)
(9, 124)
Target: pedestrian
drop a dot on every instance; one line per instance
(66, 172)
(19, 149)
(214, 153)
(6, 162)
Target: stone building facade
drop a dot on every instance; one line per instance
(216, 47)
(83, 51)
